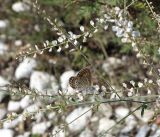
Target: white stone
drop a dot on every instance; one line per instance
(65, 78)
(3, 81)
(157, 133)
(81, 122)
(136, 34)
(143, 131)
(105, 124)
(148, 114)
(25, 68)
(86, 133)
(52, 115)
(20, 7)
(43, 83)
(3, 24)
(18, 43)
(12, 124)
(13, 106)
(58, 134)
(6, 133)
(106, 110)
(26, 134)
(25, 101)
(110, 64)
(3, 112)
(121, 112)
(3, 48)
(32, 108)
(40, 128)
(39, 116)
(130, 124)
(3, 93)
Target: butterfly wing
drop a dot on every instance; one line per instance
(84, 78)
(72, 82)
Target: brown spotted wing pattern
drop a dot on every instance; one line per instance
(83, 79)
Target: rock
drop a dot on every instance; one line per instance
(148, 114)
(25, 68)
(18, 43)
(6, 133)
(40, 128)
(58, 134)
(12, 124)
(157, 133)
(52, 115)
(3, 48)
(3, 92)
(110, 64)
(121, 112)
(39, 117)
(130, 124)
(3, 24)
(13, 106)
(105, 124)
(25, 102)
(106, 110)
(20, 7)
(26, 134)
(65, 79)
(143, 131)
(32, 108)
(86, 133)
(43, 83)
(81, 122)
(3, 112)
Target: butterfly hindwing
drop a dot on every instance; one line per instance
(72, 82)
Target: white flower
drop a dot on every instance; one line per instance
(20, 6)
(130, 24)
(106, 16)
(128, 29)
(120, 32)
(105, 27)
(3, 24)
(159, 50)
(150, 81)
(135, 33)
(82, 28)
(140, 84)
(115, 28)
(158, 82)
(132, 82)
(124, 85)
(92, 23)
(54, 42)
(59, 49)
(101, 20)
(125, 40)
(60, 39)
(94, 31)
(134, 46)
(117, 9)
(75, 42)
(149, 91)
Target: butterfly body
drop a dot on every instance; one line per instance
(82, 81)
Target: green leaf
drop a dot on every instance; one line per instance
(144, 106)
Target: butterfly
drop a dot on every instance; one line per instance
(82, 81)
